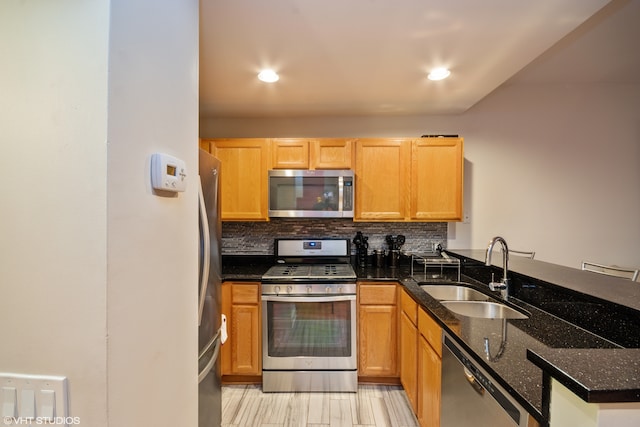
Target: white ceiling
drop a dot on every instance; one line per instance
(371, 57)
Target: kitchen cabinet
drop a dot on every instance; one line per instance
(241, 355)
(382, 179)
(377, 331)
(401, 179)
(323, 153)
(409, 348)
(429, 370)
(292, 153)
(243, 177)
(436, 179)
(331, 153)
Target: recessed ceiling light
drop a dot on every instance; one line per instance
(439, 73)
(268, 76)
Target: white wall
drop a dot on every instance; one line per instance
(152, 240)
(567, 409)
(555, 169)
(53, 227)
(97, 274)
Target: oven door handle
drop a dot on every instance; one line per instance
(310, 298)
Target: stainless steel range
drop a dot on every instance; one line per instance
(309, 318)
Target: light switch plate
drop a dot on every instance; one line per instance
(46, 395)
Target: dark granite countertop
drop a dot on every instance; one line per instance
(245, 268)
(543, 342)
(612, 289)
(595, 375)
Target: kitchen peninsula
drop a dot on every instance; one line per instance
(582, 333)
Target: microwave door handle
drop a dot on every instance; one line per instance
(206, 249)
(340, 194)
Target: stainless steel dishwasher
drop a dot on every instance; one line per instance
(470, 397)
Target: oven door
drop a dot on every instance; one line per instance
(309, 332)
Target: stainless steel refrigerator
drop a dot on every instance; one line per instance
(209, 291)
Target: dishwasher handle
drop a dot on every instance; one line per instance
(473, 382)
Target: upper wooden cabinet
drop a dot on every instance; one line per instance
(382, 179)
(331, 153)
(401, 179)
(397, 179)
(324, 153)
(436, 179)
(290, 153)
(243, 177)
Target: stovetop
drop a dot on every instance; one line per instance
(299, 272)
(311, 260)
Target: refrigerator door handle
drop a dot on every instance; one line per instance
(206, 256)
(205, 371)
(209, 345)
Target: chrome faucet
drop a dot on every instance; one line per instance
(503, 285)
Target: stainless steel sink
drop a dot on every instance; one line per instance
(484, 309)
(454, 293)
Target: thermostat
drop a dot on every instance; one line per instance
(168, 173)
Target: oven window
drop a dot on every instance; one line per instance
(309, 329)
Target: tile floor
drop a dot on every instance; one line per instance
(372, 405)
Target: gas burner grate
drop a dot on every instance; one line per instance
(330, 270)
(290, 270)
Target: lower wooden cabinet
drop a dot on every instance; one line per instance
(241, 355)
(409, 347)
(377, 331)
(429, 370)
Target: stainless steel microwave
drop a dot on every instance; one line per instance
(297, 193)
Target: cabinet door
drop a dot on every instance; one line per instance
(241, 354)
(331, 153)
(243, 178)
(377, 330)
(245, 354)
(437, 179)
(429, 383)
(409, 359)
(290, 153)
(382, 179)
(378, 341)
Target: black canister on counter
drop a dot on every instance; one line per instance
(394, 258)
(362, 246)
(378, 258)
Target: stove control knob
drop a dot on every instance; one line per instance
(327, 290)
(289, 289)
(277, 290)
(309, 289)
(340, 290)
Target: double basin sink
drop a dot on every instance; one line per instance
(466, 301)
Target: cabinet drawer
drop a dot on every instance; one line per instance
(245, 294)
(430, 330)
(409, 307)
(375, 294)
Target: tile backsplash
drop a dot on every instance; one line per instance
(256, 238)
